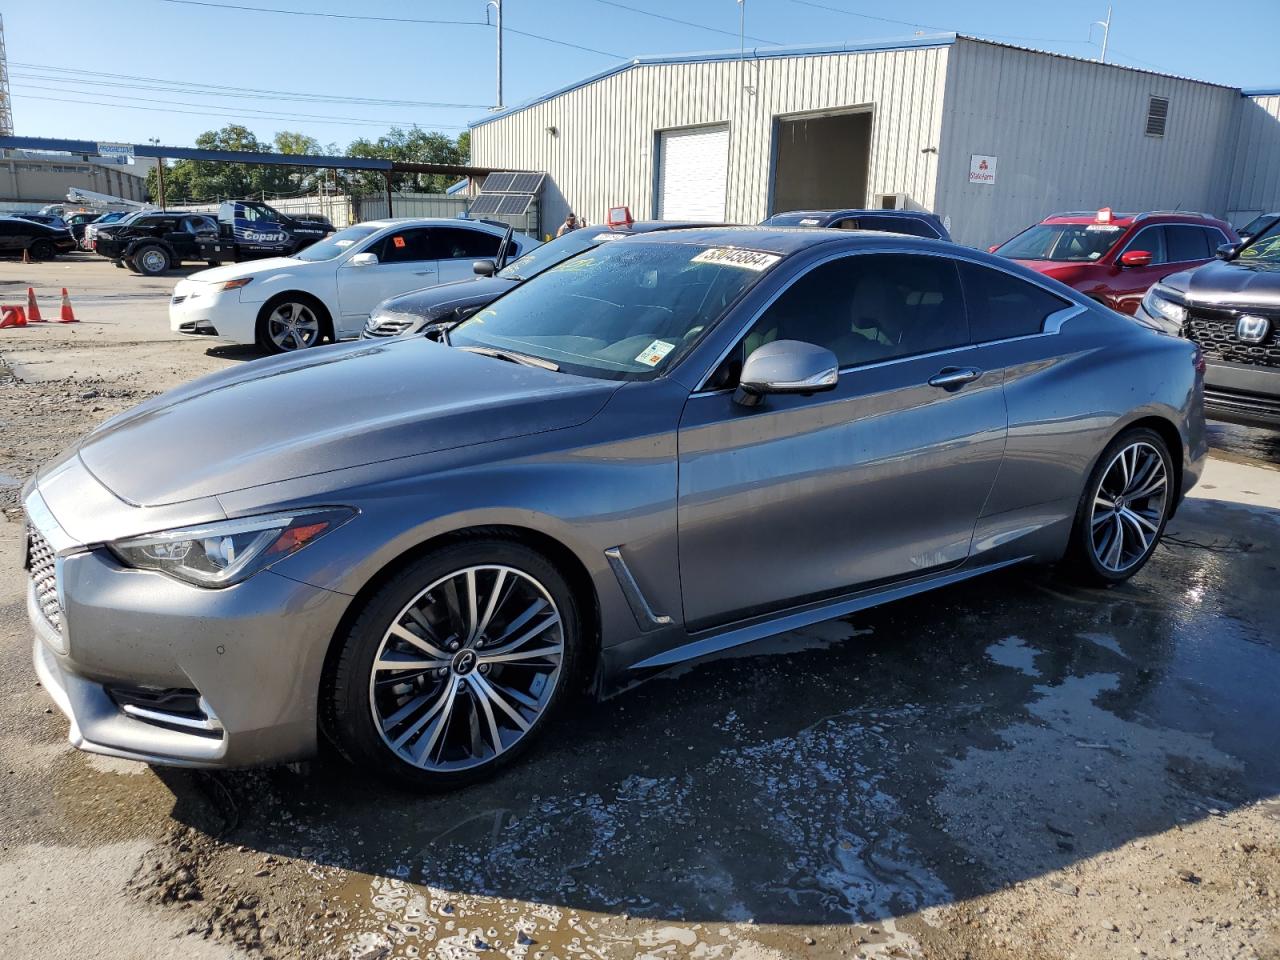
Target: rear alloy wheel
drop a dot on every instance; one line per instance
(42, 250)
(290, 325)
(443, 684)
(1127, 503)
(151, 261)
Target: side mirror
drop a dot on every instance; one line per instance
(786, 366)
(484, 268)
(1135, 258)
(1228, 251)
(364, 260)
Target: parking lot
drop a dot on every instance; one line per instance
(1009, 768)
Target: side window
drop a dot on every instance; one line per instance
(454, 243)
(1152, 240)
(1002, 306)
(866, 309)
(1215, 239)
(405, 246)
(1186, 243)
(848, 223)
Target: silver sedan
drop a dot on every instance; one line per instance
(675, 444)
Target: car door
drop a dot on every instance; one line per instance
(881, 478)
(11, 239)
(1021, 334)
(406, 261)
(457, 248)
(1128, 285)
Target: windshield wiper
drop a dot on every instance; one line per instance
(512, 357)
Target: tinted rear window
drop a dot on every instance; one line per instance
(1002, 306)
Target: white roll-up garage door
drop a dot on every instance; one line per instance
(694, 168)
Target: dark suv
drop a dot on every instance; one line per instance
(17, 234)
(151, 243)
(1231, 308)
(915, 223)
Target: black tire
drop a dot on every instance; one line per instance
(214, 263)
(42, 250)
(1083, 561)
(324, 322)
(151, 260)
(347, 703)
(119, 264)
(131, 266)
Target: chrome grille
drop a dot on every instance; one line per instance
(43, 572)
(386, 326)
(1215, 331)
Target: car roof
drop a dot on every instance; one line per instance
(780, 240)
(1129, 219)
(430, 222)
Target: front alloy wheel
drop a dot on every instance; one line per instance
(466, 668)
(442, 684)
(292, 326)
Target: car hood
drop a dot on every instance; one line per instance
(327, 409)
(431, 302)
(251, 268)
(1230, 283)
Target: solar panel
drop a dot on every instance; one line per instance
(515, 204)
(526, 182)
(497, 183)
(486, 203)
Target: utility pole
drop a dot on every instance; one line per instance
(497, 6)
(6, 106)
(159, 170)
(1106, 31)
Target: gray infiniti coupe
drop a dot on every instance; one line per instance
(673, 444)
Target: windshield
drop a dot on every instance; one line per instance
(1062, 242)
(624, 311)
(1264, 249)
(1256, 225)
(337, 244)
(801, 219)
(556, 251)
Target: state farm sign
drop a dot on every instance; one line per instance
(982, 169)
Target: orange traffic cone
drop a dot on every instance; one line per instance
(33, 308)
(12, 317)
(67, 315)
(26, 256)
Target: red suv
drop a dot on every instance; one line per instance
(1116, 257)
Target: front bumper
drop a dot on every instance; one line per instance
(212, 313)
(1242, 393)
(250, 655)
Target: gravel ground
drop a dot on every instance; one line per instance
(1007, 769)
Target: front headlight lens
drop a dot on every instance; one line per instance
(1159, 304)
(224, 553)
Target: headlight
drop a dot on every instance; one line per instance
(227, 552)
(1159, 304)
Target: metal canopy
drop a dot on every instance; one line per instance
(90, 147)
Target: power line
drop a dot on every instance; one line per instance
(233, 116)
(236, 109)
(179, 86)
(330, 16)
(376, 19)
(928, 26)
(687, 23)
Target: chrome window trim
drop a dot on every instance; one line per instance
(1052, 324)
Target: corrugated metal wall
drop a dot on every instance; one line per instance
(602, 151)
(1255, 174)
(1070, 134)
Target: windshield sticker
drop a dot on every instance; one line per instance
(746, 259)
(652, 355)
(810, 222)
(602, 237)
(1102, 228)
(343, 243)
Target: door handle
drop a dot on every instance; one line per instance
(423, 273)
(953, 378)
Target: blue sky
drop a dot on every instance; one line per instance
(131, 53)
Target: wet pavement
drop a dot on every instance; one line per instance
(1010, 768)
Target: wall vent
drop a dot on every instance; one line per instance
(1157, 116)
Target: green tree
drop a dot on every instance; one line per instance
(407, 146)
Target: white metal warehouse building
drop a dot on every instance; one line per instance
(990, 136)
